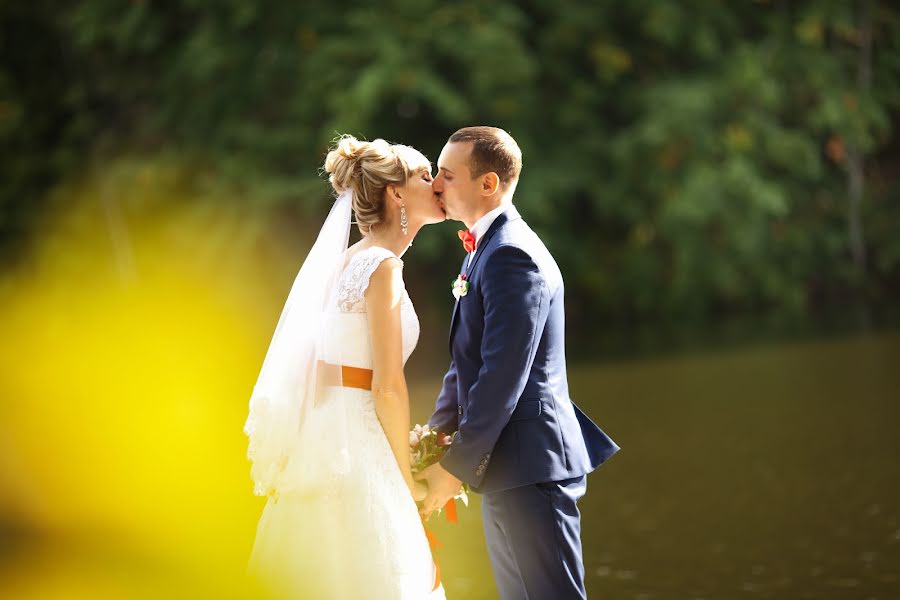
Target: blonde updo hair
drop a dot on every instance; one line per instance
(367, 168)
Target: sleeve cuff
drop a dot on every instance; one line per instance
(473, 475)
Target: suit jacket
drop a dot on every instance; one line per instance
(506, 393)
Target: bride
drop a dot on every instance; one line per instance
(329, 415)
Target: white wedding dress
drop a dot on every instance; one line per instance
(345, 524)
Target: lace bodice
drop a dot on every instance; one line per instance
(350, 323)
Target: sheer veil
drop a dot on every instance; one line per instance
(286, 389)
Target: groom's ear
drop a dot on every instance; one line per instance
(490, 183)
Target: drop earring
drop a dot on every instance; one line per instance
(404, 223)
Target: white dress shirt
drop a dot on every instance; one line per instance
(482, 225)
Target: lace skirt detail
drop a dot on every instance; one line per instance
(344, 524)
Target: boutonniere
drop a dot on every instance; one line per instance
(460, 287)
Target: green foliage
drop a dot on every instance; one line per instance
(681, 158)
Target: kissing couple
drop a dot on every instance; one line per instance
(329, 422)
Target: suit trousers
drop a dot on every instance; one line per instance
(533, 535)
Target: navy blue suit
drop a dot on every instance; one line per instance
(520, 440)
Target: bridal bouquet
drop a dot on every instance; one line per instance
(426, 447)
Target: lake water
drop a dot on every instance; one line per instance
(768, 472)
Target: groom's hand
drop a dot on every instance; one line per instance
(442, 486)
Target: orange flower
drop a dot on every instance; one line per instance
(835, 149)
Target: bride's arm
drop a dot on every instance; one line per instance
(389, 392)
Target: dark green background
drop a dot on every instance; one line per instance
(684, 161)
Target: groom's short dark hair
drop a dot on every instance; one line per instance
(492, 150)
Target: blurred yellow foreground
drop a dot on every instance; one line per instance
(131, 339)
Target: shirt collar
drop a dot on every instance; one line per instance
(484, 223)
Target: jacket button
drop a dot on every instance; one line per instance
(460, 409)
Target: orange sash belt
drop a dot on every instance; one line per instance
(355, 377)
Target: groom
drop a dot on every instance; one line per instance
(520, 439)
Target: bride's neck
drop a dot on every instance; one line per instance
(393, 239)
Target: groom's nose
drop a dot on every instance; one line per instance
(437, 186)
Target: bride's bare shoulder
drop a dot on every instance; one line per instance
(386, 280)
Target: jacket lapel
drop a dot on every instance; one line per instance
(456, 305)
(510, 214)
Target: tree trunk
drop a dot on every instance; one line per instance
(855, 166)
